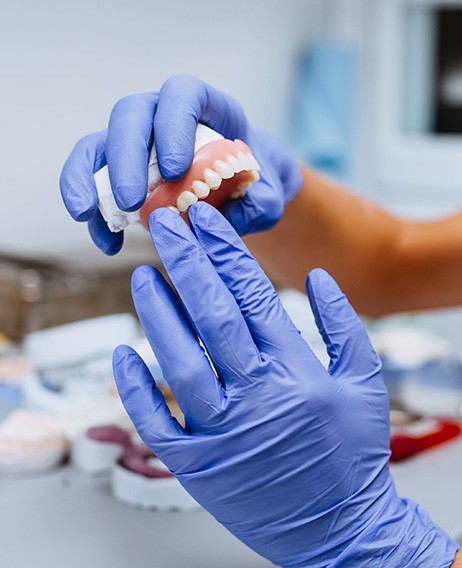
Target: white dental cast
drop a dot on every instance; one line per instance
(117, 219)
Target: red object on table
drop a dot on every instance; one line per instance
(411, 440)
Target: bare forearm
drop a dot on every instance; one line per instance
(383, 263)
(457, 560)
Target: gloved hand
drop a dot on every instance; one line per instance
(173, 113)
(291, 458)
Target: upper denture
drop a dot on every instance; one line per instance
(221, 169)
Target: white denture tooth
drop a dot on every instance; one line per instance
(244, 161)
(254, 176)
(243, 186)
(185, 199)
(223, 169)
(234, 162)
(212, 179)
(174, 209)
(253, 161)
(200, 188)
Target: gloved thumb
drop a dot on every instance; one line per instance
(351, 353)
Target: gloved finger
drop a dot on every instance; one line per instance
(107, 241)
(258, 210)
(183, 102)
(266, 319)
(144, 402)
(289, 175)
(129, 140)
(209, 304)
(344, 334)
(76, 182)
(183, 361)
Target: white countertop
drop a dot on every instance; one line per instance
(65, 520)
(434, 480)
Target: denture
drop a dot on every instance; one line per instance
(222, 169)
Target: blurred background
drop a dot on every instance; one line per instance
(65, 65)
(368, 91)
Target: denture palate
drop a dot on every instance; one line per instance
(221, 170)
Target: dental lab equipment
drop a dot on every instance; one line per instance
(73, 375)
(31, 442)
(138, 477)
(422, 370)
(42, 293)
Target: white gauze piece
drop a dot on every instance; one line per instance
(116, 219)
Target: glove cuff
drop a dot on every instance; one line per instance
(401, 536)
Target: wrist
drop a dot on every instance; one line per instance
(404, 535)
(457, 560)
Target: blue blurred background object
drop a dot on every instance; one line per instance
(323, 113)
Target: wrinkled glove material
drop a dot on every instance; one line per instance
(292, 458)
(173, 114)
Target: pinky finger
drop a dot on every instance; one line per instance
(145, 403)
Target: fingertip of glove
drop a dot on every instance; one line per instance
(201, 212)
(113, 249)
(120, 355)
(318, 280)
(80, 207)
(174, 171)
(140, 277)
(82, 215)
(109, 243)
(125, 199)
(317, 276)
(161, 219)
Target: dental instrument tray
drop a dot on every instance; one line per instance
(36, 294)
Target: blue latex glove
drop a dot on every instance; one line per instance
(291, 458)
(173, 113)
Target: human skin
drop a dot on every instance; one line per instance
(457, 560)
(385, 264)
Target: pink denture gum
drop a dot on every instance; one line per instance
(221, 170)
